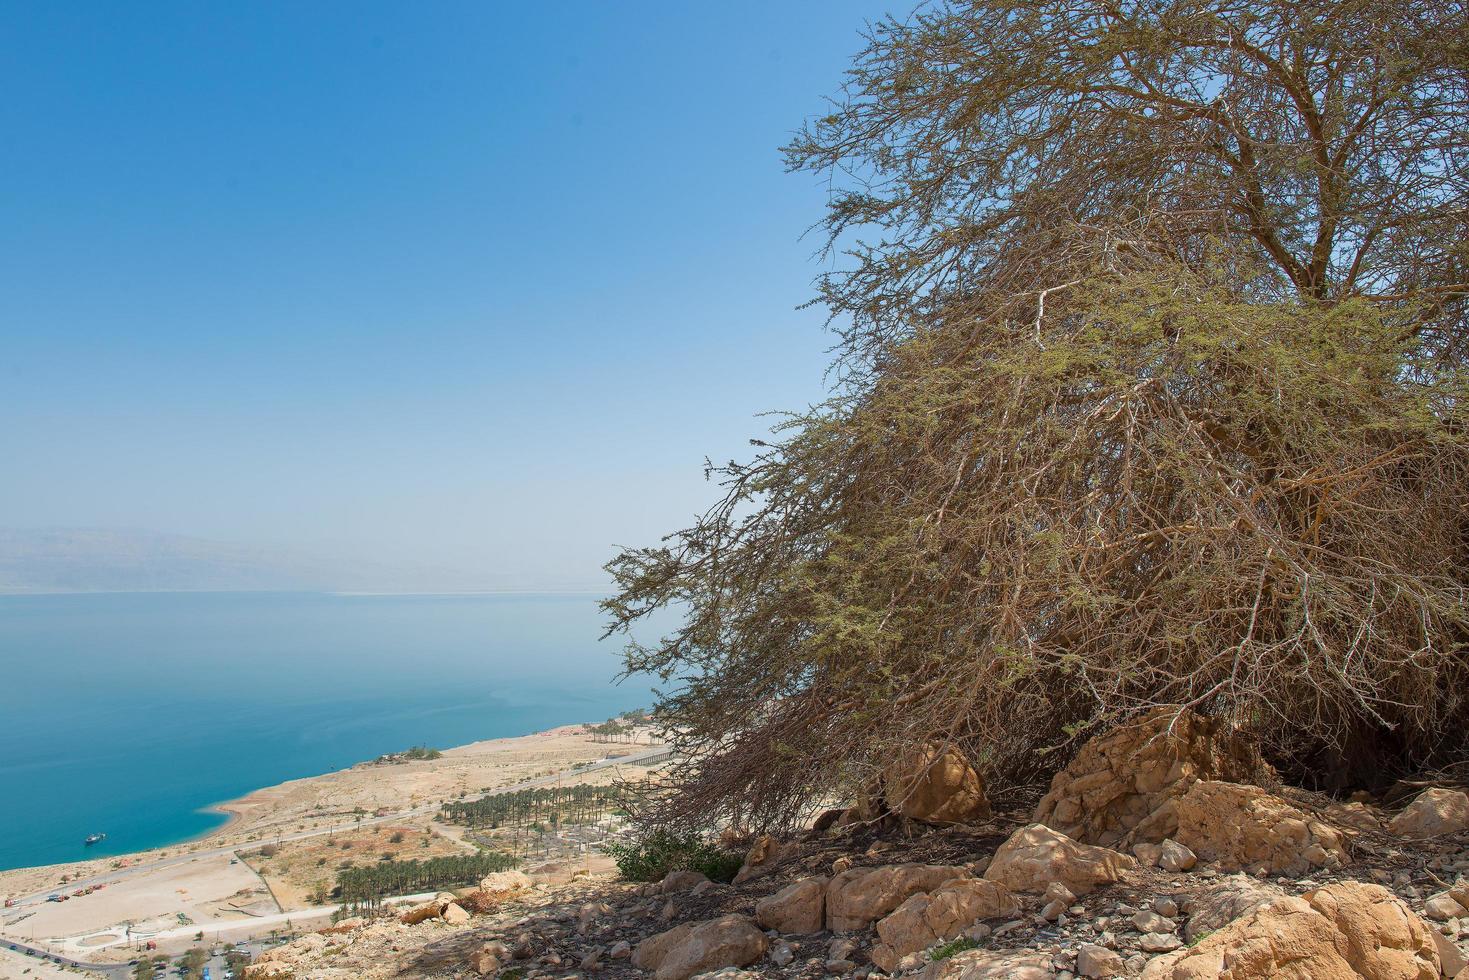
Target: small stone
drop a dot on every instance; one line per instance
(669, 913)
(1053, 911)
(978, 932)
(1098, 962)
(1165, 906)
(1174, 857)
(781, 954)
(1153, 922)
(1442, 907)
(1147, 854)
(1159, 943)
(620, 950)
(1058, 892)
(840, 967)
(841, 948)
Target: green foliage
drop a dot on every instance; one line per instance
(952, 948)
(662, 851)
(1162, 492)
(365, 887)
(580, 804)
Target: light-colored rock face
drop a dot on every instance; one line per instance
(651, 951)
(1349, 931)
(1353, 816)
(681, 881)
(763, 858)
(1434, 812)
(1237, 826)
(799, 908)
(454, 914)
(857, 898)
(423, 912)
(1036, 856)
(1098, 962)
(985, 964)
(731, 940)
(1231, 898)
(935, 786)
(1118, 787)
(503, 884)
(944, 913)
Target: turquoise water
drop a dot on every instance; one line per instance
(130, 713)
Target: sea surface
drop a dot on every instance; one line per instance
(129, 714)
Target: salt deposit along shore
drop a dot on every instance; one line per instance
(173, 894)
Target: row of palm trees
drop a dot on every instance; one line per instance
(555, 806)
(365, 887)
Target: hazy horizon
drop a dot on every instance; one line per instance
(466, 288)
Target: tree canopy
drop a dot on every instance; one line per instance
(1152, 394)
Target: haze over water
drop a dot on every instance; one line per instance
(128, 714)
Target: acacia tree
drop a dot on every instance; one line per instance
(1153, 395)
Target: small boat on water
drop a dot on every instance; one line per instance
(94, 838)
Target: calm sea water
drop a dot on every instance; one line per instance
(129, 714)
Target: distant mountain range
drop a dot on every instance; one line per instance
(103, 560)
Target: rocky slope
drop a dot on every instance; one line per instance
(1174, 871)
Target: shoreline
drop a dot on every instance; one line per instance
(249, 816)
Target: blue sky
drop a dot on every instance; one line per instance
(469, 284)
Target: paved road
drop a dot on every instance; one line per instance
(132, 871)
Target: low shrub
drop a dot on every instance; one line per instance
(662, 851)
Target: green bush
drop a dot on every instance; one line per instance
(952, 949)
(663, 851)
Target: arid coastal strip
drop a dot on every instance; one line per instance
(206, 884)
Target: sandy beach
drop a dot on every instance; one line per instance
(220, 879)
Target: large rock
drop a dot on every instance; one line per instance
(799, 908)
(762, 859)
(929, 917)
(424, 911)
(1228, 899)
(935, 785)
(651, 951)
(1119, 787)
(861, 896)
(730, 940)
(990, 964)
(1238, 826)
(1434, 812)
(1348, 931)
(1036, 856)
(503, 884)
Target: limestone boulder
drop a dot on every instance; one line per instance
(1119, 787)
(1354, 816)
(1434, 812)
(989, 964)
(797, 909)
(935, 784)
(728, 941)
(681, 881)
(504, 884)
(1237, 826)
(1228, 899)
(1347, 931)
(944, 913)
(859, 897)
(1036, 856)
(650, 952)
(454, 914)
(424, 911)
(764, 856)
